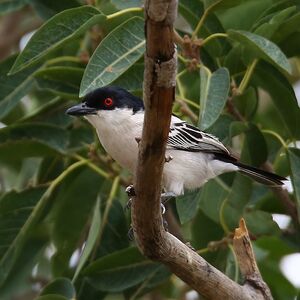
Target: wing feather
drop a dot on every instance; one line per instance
(184, 136)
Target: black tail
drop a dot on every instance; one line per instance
(259, 175)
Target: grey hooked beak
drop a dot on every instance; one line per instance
(81, 110)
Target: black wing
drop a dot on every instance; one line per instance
(184, 136)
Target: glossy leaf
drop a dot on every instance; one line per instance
(214, 89)
(283, 97)
(267, 29)
(67, 233)
(91, 239)
(62, 81)
(187, 206)
(8, 6)
(32, 139)
(261, 48)
(121, 4)
(294, 158)
(15, 211)
(120, 270)
(58, 31)
(60, 287)
(14, 87)
(116, 53)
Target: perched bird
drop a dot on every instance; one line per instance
(196, 156)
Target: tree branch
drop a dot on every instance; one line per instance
(152, 239)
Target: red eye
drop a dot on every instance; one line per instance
(108, 102)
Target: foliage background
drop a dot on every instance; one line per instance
(63, 229)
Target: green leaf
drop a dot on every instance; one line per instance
(60, 287)
(32, 139)
(283, 97)
(187, 206)
(62, 81)
(91, 239)
(220, 4)
(116, 53)
(15, 210)
(123, 4)
(268, 29)
(14, 87)
(51, 297)
(294, 159)
(7, 6)
(68, 232)
(261, 223)
(48, 8)
(132, 79)
(120, 270)
(58, 31)
(261, 48)
(154, 279)
(214, 89)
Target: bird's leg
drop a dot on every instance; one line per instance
(130, 193)
(168, 158)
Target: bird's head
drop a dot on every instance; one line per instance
(105, 99)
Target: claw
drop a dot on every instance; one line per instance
(168, 158)
(130, 191)
(130, 234)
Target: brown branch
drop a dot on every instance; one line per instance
(152, 239)
(246, 259)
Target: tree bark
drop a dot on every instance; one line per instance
(151, 238)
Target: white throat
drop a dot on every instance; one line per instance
(117, 131)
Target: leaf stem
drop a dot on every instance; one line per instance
(109, 201)
(275, 134)
(247, 76)
(222, 220)
(92, 166)
(213, 36)
(124, 11)
(62, 59)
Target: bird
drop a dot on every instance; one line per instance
(194, 155)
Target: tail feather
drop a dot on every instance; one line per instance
(259, 175)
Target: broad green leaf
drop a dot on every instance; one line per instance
(283, 97)
(294, 158)
(123, 4)
(48, 8)
(261, 48)
(51, 297)
(214, 89)
(58, 31)
(15, 211)
(261, 223)
(289, 27)
(120, 270)
(154, 279)
(116, 53)
(238, 17)
(62, 81)
(220, 4)
(247, 103)
(14, 87)
(115, 231)
(68, 232)
(32, 139)
(91, 240)
(132, 79)
(7, 6)
(267, 29)
(187, 206)
(60, 287)
(212, 195)
(221, 128)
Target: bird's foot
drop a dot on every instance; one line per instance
(165, 197)
(168, 158)
(130, 191)
(130, 234)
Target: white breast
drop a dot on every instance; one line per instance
(117, 131)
